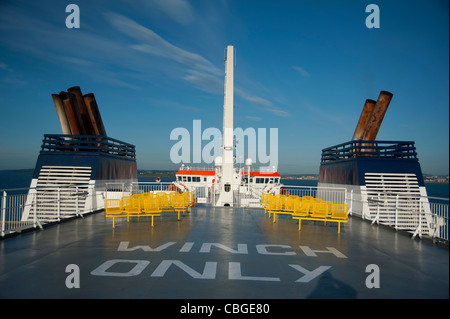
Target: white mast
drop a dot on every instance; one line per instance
(227, 179)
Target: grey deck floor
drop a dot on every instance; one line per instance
(220, 253)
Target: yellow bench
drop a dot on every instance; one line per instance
(282, 204)
(147, 205)
(131, 206)
(305, 208)
(141, 205)
(338, 214)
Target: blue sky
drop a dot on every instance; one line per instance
(304, 67)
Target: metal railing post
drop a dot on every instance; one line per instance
(59, 204)
(351, 202)
(3, 213)
(396, 212)
(76, 201)
(420, 217)
(377, 218)
(34, 209)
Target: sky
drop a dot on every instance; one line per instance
(304, 67)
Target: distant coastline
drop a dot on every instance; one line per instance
(428, 178)
(435, 178)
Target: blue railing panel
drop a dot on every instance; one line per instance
(374, 149)
(87, 143)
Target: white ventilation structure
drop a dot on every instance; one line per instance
(398, 201)
(59, 192)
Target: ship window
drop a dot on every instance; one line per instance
(271, 180)
(184, 178)
(188, 178)
(277, 180)
(227, 187)
(196, 178)
(266, 181)
(251, 180)
(204, 179)
(259, 180)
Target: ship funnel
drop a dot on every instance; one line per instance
(363, 120)
(379, 110)
(62, 115)
(73, 114)
(78, 114)
(94, 114)
(77, 97)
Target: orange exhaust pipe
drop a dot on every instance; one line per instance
(73, 114)
(77, 97)
(374, 123)
(363, 120)
(94, 114)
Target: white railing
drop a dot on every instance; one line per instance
(12, 207)
(26, 208)
(415, 214)
(440, 215)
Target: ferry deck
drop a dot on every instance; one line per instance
(221, 253)
(213, 252)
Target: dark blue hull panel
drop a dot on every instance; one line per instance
(351, 171)
(104, 167)
(109, 159)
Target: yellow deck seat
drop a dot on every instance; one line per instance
(179, 203)
(151, 206)
(188, 200)
(114, 209)
(163, 201)
(340, 211)
(320, 210)
(265, 201)
(301, 208)
(131, 205)
(289, 203)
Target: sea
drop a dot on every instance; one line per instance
(13, 179)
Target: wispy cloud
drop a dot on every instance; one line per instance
(261, 102)
(302, 71)
(205, 81)
(197, 70)
(154, 44)
(178, 10)
(253, 99)
(120, 61)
